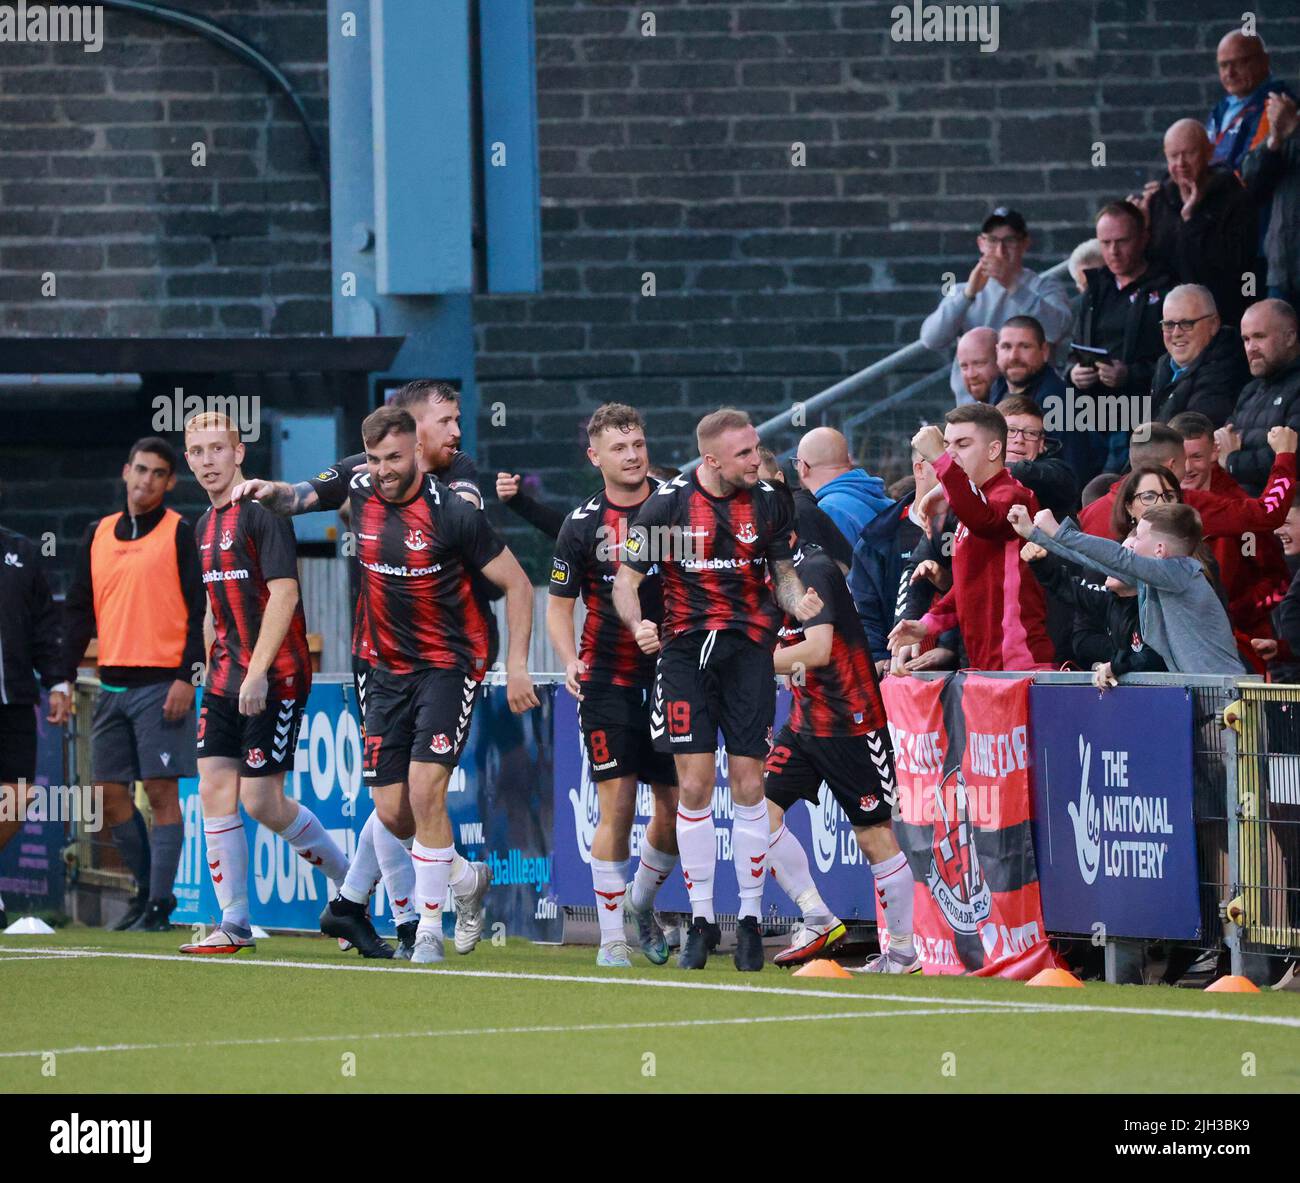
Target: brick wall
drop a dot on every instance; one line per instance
(97, 183)
(669, 154)
(672, 154)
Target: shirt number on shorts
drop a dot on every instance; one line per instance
(679, 718)
(373, 744)
(599, 747)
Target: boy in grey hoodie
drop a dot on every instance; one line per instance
(1181, 616)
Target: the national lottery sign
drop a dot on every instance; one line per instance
(1113, 810)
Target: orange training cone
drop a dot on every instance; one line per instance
(824, 967)
(1233, 984)
(1054, 977)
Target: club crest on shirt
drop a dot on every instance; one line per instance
(256, 758)
(747, 534)
(415, 540)
(227, 540)
(440, 744)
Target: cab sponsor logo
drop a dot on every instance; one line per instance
(559, 571)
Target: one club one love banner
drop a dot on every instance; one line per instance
(962, 751)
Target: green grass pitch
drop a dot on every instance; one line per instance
(122, 1012)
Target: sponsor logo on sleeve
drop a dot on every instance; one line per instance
(559, 571)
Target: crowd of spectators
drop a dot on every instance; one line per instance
(1113, 488)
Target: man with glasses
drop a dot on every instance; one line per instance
(999, 287)
(1034, 457)
(1204, 367)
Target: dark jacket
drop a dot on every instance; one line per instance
(1216, 246)
(881, 568)
(1084, 452)
(537, 514)
(813, 524)
(1264, 403)
(1210, 384)
(1286, 619)
(1106, 626)
(1143, 343)
(1274, 178)
(1051, 480)
(29, 623)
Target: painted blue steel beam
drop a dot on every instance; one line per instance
(511, 185)
(423, 161)
(438, 328)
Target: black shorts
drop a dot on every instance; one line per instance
(422, 717)
(264, 743)
(711, 681)
(615, 722)
(17, 744)
(858, 769)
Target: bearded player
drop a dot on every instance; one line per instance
(424, 635)
(837, 734)
(258, 678)
(713, 536)
(435, 407)
(611, 678)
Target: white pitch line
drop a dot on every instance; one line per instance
(715, 987)
(559, 1029)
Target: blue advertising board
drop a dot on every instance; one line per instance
(837, 864)
(1113, 831)
(498, 801)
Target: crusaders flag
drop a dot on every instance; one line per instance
(961, 746)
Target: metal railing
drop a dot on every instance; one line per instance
(899, 402)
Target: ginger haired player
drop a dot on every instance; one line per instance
(258, 678)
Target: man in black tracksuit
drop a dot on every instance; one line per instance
(1271, 399)
(29, 641)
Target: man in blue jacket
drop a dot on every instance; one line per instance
(850, 496)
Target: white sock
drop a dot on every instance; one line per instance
(789, 863)
(307, 836)
(699, 854)
(432, 871)
(609, 881)
(363, 870)
(749, 831)
(227, 857)
(398, 873)
(651, 874)
(894, 886)
(463, 879)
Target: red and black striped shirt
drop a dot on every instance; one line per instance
(587, 555)
(713, 555)
(417, 608)
(842, 697)
(241, 548)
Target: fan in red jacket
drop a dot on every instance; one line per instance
(994, 597)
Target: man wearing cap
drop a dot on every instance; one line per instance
(999, 287)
